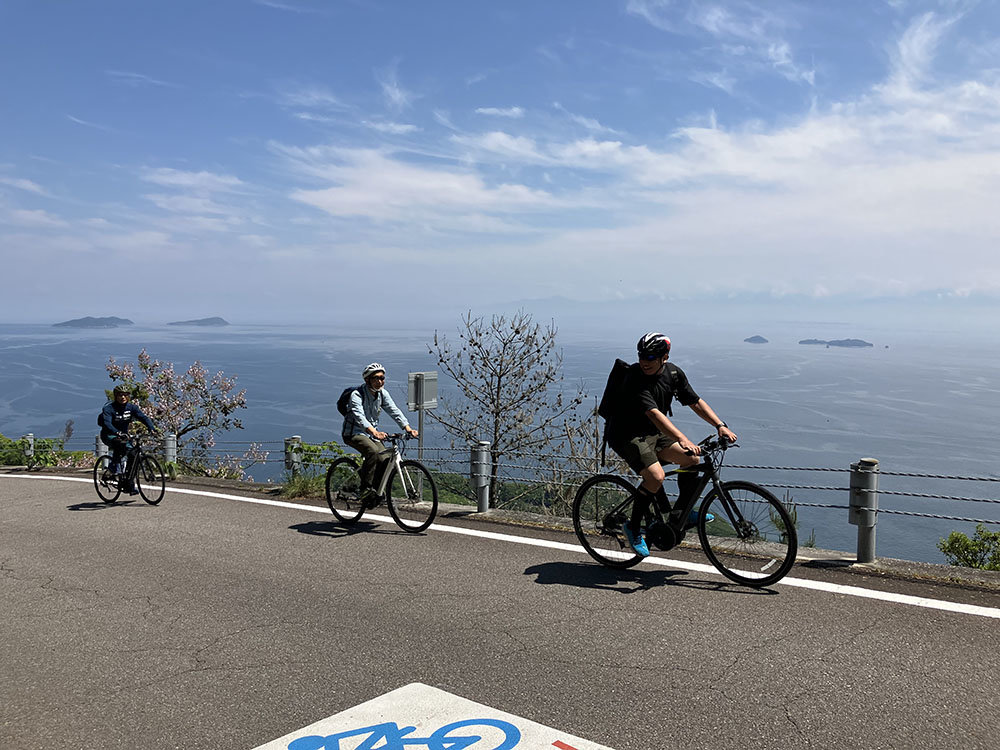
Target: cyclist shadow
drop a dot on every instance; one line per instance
(104, 506)
(337, 530)
(629, 581)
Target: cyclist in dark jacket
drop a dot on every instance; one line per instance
(115, 420)
(645, 438)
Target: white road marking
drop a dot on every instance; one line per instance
(803, 583)
(418, 712)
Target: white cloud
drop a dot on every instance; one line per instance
(137, 79)
(373, 184)
(396, 97)
(32, 218)
(511, 112)
(310, 97)
(655, 12)
(21, 184)
(204, 182)
(589, 123)
(392, 128)
(88, 124)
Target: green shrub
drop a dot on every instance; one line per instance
(981, 551)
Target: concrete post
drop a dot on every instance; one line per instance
(293, 454)
(863, 509)
(170, 448)
(100, 448)
(479, 473)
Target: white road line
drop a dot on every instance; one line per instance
(803, 583)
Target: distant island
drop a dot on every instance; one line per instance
(201, 322)
(850, 343)
(756, 340)
(90, 322)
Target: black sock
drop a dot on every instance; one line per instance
(639, 508)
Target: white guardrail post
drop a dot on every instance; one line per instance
(170, 448)
(863, 509)
(100, 447)
(479, 474)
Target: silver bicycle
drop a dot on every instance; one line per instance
(406, 486)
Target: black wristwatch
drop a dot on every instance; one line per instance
(721, 424)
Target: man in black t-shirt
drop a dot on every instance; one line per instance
(643, 435)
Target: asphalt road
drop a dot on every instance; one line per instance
(211, 623)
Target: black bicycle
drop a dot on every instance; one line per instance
(744, 529)
(407, 487)
(140, 468)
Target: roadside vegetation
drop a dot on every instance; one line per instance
(981, 551)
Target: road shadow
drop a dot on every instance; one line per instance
(337, 530)
(99, 505)
(630, 581)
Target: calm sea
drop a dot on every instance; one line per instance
(918, 407)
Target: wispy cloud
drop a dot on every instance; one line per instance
(277, 5)
(511, 112)
(204, 182)
(589, 123)
(88, 124)
(21, 184)
(392, 128)
(32, 218)
(297, 96)
(137, 79)
(396, 97)
(654, 12)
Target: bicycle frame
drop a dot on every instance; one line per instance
(396, 464)
(676, 517)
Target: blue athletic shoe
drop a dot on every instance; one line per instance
(636, 542)
(693, 518)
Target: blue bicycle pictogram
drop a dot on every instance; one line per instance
(390, 736)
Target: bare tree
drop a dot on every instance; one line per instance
(508, 374)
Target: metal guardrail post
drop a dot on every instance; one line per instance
(293, 454)
(29, 445)
(479, 474)
(863, 509)
(170, 448)
(100, 447)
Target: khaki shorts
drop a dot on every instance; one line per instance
(640, 452)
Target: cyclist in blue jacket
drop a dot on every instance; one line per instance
(115, 420)
(361, 426)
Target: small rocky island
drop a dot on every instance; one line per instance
(201, 322)
(850, 343)
(90, 322)
(756, 340)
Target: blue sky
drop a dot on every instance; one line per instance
(282, 159)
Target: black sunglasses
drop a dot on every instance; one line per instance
(650, 357)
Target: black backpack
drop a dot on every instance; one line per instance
(344, 401)
(611, 401)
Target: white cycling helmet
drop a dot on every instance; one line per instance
(372, 369)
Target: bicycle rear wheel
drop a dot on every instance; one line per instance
(752, 539)
(343, 490)
(413, 496)
(105, 482)
(600, 509)
(149, 480)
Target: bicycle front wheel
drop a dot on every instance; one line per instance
(752, 538)
(413, 496)
(343, 490)
(149, 480)
(600, 509)
(105, 482)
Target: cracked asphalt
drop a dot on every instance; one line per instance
(207, 623)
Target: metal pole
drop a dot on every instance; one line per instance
(293, 454)
(29, 445)
(418, 387)
(479, 473)
(863, 509)
(170, 448)
(100, 448)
